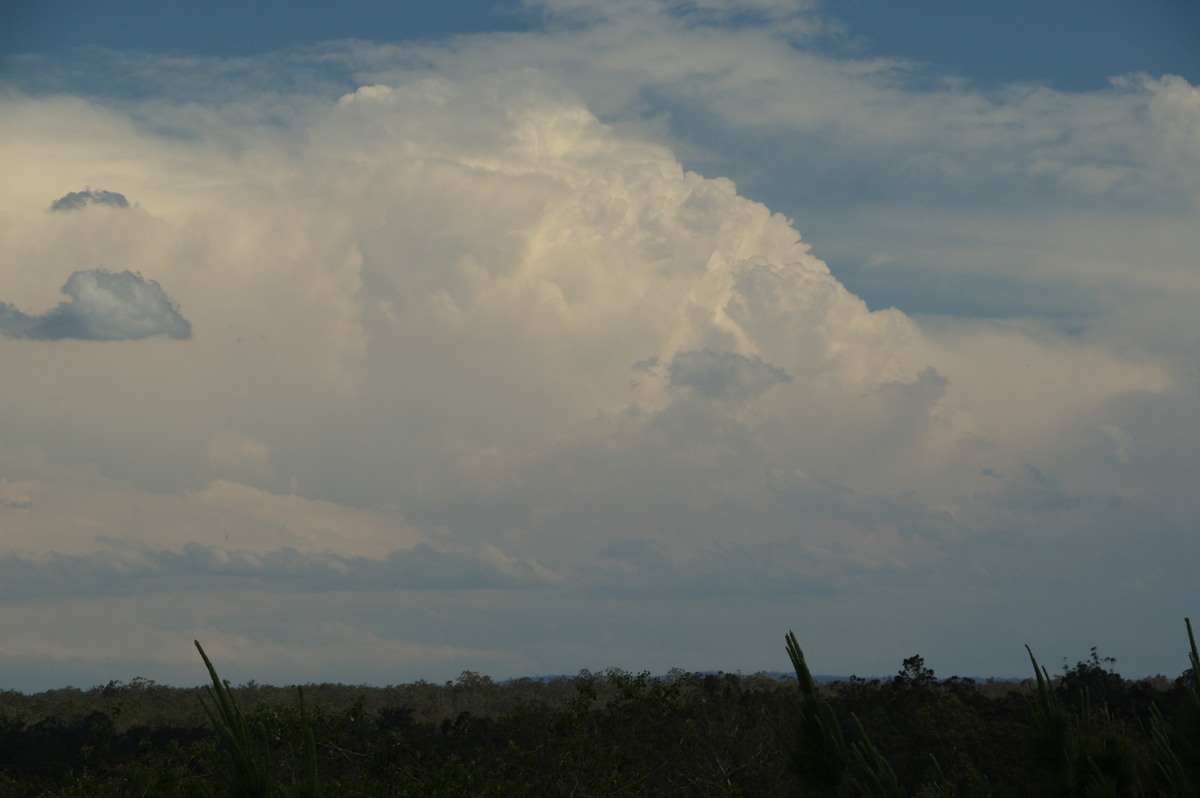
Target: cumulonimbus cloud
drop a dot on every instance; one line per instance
(424, 302)
(104, 306)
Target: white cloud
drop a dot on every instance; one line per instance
(473, 372)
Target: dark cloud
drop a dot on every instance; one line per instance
(104, 307)
(724, 376)
(78, 200)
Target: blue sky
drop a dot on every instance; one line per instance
(230, 29)
(1070, 45)
(385, 341)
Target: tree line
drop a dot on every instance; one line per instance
(1083, 732)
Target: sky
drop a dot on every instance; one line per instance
(380, 342)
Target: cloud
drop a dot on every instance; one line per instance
(994, 203)
(638, 568)
(412, 423)
(723, 376)
(241, 458)
(78, 200)
(104, 307)
(13, 497)
(119, 568)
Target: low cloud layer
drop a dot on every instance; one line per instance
(500, 371)
(104, 307)
(118, 567)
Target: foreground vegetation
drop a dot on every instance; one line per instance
(1087, 732)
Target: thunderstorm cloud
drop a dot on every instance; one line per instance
(410, 442)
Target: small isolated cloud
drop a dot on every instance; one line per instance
(104, 307)
(78, 200)
(724, 376)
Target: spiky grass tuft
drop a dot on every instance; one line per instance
(247, 776)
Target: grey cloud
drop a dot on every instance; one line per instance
(637, 567)
(724, 376)
(424, 567)
(927, 389)
(650, 365)
(104, 307)
(78, 200)
(129, 569)
(1031, 491)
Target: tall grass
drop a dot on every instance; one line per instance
(248, 775)
(1084, 753)
(814, 744)
(250, 772)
